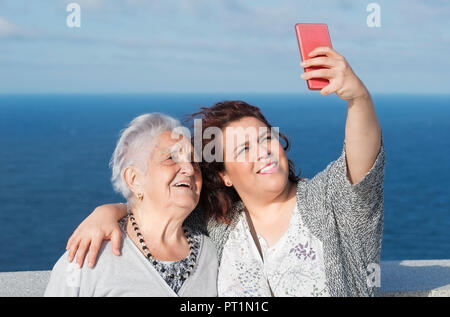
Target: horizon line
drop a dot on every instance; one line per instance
(210, 93)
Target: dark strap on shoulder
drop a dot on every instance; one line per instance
(258, 245)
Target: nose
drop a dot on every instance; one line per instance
(186, 168)
(264, 153)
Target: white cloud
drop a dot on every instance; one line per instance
(7, 28)
(246, 37)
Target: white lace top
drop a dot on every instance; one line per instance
(294, 266)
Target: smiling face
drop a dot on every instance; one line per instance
(171, 180)
(255, 162)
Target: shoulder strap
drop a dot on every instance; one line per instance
(258, 245)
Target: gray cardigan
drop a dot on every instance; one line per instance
(347, 218)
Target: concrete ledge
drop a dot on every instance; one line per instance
(398, 278)
(415, 278)
(23, 284)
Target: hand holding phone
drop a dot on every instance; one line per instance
(309, 37)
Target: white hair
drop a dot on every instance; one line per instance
(133, 147)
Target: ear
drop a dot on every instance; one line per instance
(226, 179)
(132, 178)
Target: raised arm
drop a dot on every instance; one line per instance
(362, 130)
(100, 225)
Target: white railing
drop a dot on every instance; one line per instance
(398, 278)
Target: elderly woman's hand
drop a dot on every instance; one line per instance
(98, 226)
(343, 80)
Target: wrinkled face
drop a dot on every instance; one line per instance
(172, 178)
(255, 162)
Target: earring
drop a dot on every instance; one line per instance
(140, 196)
(228, 183)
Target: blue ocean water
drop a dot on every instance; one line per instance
(55, 151)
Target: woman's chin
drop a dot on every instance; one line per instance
(187, 203)
(274, 183)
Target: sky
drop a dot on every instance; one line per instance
(156, 46)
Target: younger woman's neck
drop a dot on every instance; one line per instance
(268, 207)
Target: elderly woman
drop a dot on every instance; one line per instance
(160, 257)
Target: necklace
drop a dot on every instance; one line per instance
(157, 264)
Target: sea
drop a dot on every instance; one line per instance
(55, 149)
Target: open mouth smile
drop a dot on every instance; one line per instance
(184, 184)
(268, 169)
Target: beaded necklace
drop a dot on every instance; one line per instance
(157, 264)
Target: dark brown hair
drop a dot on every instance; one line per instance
(216, 199)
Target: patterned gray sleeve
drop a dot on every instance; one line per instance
(347, 217)
(358, 204)
(355, 200)
(359, 207)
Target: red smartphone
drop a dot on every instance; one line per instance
(309, 37)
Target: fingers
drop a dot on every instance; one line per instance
(115, 241)
(73, 247)
(319, 61)
(319, 73)
(96, 243)
(69, 242)
(324, 50)
(81, 253)
(92, 246)
(330, 88)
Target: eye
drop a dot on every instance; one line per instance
(169, 160)
(243, 149)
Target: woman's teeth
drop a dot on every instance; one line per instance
(183, 185)
(267, 168)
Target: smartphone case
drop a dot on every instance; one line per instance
(309, 37)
